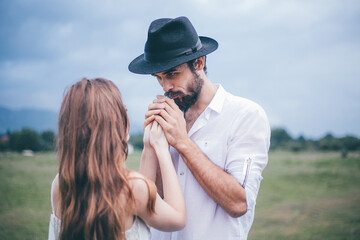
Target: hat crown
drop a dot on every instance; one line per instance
(170, 43)
(170, 38)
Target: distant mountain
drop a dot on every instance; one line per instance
(39, 120)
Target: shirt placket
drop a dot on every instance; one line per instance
(182, 169)
(181, 172)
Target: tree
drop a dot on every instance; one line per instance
(4, 143)
(350, 143)
(25, 139)
(330, 143)
(279, 138)
(48, 140)
(137, 141)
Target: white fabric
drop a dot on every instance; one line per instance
(234, 133)
(55, 223)
(138, 231)
(54, 227)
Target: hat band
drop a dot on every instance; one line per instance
(158, 57)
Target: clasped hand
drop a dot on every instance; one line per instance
(167, 114)
(154, 135)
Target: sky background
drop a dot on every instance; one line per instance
(299, 59)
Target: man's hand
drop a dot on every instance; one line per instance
(165, 111)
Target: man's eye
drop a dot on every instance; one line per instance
(171, 75)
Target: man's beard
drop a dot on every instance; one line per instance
(184, 102)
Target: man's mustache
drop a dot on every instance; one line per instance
(170, 94)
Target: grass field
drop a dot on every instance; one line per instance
(303, 196)
(309, 196)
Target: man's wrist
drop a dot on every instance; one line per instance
(182, 145)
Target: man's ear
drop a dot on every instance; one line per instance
(199, 63)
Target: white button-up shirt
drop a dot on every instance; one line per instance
(234, 133)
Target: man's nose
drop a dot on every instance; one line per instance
(167, 85)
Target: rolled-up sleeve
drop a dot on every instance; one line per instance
(247, 153)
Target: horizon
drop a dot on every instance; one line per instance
(138, 129)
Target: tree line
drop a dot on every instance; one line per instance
(30, 139)
(282, 140)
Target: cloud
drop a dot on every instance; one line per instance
(298, 59)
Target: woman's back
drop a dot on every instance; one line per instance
(138, 231)
(136, 227)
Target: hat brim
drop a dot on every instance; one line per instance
(141, 66)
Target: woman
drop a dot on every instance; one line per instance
(94, 196)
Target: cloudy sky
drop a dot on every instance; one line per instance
(299, 59)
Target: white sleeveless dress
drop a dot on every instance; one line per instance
(138, 231)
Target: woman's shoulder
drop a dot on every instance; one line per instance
(139, 183)
(132, 175)
(55, 196)
(55, 182)
(143, 189)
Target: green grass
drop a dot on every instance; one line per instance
(24, 199)
(308, 195)
(25, 193)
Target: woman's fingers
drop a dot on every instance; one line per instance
(149, 120)
(155, 125)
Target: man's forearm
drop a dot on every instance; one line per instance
(219, 185)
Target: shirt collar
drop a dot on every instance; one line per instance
(217, 102)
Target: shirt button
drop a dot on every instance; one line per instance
(181, 173)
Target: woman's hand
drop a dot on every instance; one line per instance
(157, 138)
(146, 137)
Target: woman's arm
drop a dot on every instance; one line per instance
(148, 162)
(170, 212)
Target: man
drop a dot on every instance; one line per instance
(219, 142)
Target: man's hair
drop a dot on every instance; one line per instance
(191, 65)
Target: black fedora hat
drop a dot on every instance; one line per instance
(171, 42)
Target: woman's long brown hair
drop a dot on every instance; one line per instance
(92, 144)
